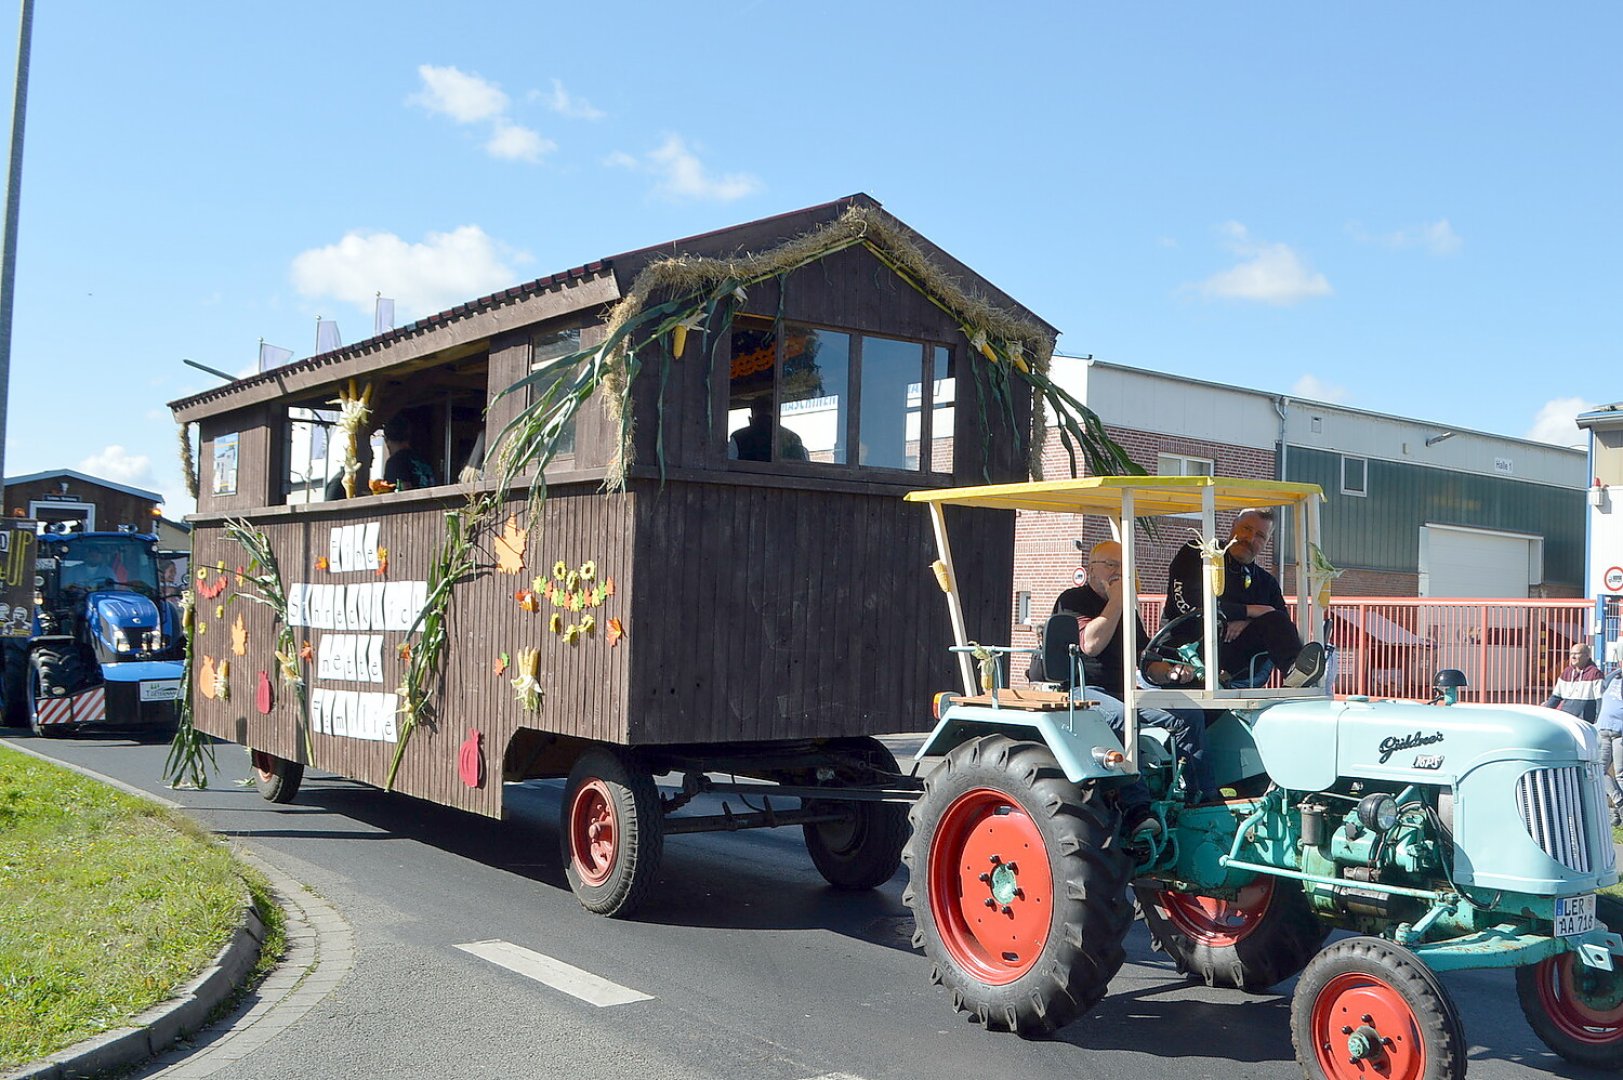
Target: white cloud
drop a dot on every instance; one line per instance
(1316, 389)
(1267, 273)
(1557, 422)
(681, 175)
(564, 103)
(511, 142)
(120, 466)
(465, 98)
(1435, 238)
(432, 275)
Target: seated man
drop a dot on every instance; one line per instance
(1098, 608)
(1258, 623)
(753, 442)
(405, 468)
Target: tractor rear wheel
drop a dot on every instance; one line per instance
(864, 848)
(1018, 886)
(1574, 1009)
(1366, 1007)
(1259, 939)
(277, 779)
(611, 831)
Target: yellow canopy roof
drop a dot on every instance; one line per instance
(1103, 494)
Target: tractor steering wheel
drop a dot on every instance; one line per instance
(1159, 649)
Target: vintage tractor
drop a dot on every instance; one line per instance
(1443, 836)
(106, 650)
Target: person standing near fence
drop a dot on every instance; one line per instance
(1609, 746)
(1577, 690)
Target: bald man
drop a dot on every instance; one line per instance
(1098, 607)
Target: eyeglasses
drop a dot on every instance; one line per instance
(1109, 564)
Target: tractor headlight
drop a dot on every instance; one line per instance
(1378, 812)
(120, 642)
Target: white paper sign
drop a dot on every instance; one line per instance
(369, 544)
(374, 658)
(335, 551)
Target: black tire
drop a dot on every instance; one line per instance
(1054, 957)
(611, 831)
(1574, 1009)
(51, 674)
(1412, 1023)
(1268, 934)
(862, 850)
(277, 779)
(14, 675)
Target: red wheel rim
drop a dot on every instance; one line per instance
(1218, 923)
(1357, 1011)
(1586, 1004)
(264, 765)
(594, 833)
(991, 892)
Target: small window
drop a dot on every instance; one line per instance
(1182, 465)
(1022, 608)
(942, 415)
(1354, 476)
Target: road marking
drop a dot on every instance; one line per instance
(589, 988)
(837, 1076)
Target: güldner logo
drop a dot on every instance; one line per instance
(1393, 743)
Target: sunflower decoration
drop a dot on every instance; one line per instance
(556, 623)
(588, 570)
(560, 570)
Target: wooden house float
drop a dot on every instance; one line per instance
(664, 534)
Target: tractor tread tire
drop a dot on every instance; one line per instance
(1287, 936)
(1597, 1050)
(1089, 868)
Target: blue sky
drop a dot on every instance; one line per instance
(1405, 208)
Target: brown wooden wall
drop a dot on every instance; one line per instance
(113, 507)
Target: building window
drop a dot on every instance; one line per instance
(1183, 465)
(1354, 476)
(1022, 608)
(546, 349)
(804, 393)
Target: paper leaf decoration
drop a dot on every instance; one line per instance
(239, 638)
(510, 546)
(499, 665)
(616, 632)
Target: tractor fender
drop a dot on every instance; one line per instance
(1071, 735)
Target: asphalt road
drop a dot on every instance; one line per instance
(752, 967)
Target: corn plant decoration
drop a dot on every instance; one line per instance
(1212, 554)
(191, 753)
(354, 409)
(265, 577)
(526, 685)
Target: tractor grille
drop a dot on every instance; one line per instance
(1552, 807)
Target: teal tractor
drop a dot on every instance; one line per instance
(1442, 835)
(107, 651)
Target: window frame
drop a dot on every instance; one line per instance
(1361, 492)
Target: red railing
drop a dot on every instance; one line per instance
(1509, 650)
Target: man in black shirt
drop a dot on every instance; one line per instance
(1098, 608)
(1258, 623)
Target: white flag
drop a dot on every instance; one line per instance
(327, 336)
(383, 316)
(272, 356)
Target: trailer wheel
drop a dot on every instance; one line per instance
(864, 848)
(1365, 1007)
(1259, 939)
(1018, 886)
(1574, 1009)
(277, 779)
(612, 831)
(51, 674)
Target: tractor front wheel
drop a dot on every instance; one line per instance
(51, 676)
(1366, 1007)
(611, 831)
(1018, 886)
(277, 779)
(1262, 937)
(1574, 1009)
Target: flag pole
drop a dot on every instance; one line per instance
(14, 183)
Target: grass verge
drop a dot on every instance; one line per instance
(108, 903)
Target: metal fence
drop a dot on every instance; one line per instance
(1509, 650)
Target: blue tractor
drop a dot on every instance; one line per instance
(107, 650)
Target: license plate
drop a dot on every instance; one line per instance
(1574, 915)
(167, 690)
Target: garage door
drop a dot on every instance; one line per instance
(1460, 562)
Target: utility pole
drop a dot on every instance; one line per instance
(14, 184)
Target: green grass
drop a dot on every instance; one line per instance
(107, 904)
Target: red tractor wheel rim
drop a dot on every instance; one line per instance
(1587, 1005)
(1363, 1028)
(1209, 921)
(594, 832)
(991, 892)
(265, 766)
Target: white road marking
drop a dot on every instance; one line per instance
(837, 1076)
(592, 989)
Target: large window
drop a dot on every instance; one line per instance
(546, 349)
(828, 397)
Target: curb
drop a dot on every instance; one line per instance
(152, 1032)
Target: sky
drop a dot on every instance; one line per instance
(1411, 209)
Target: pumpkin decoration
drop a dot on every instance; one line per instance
(264, 696)
(205, 677)
(470, 760)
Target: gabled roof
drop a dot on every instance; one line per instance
(140, 493)
(569, 290)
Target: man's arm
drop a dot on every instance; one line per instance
(1184, 579)
(1097, 630)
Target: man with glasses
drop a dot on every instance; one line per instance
(1098, 607)
(1577, 690)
